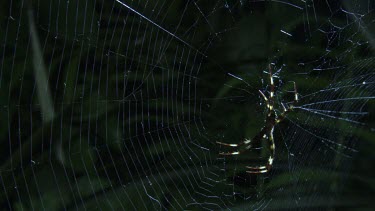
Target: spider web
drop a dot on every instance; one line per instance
(119, 104)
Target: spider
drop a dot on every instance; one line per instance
(266, 133)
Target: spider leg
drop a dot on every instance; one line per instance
(231, 153)
(272, 85)
(228, 145)
(289, 108)
(262, 169)
(268, 166)
(282, 116)
(295, 93)
(264, 96)
(246, 142)
(270, 102)
(295, 100)
(257, 170)
(282, 104)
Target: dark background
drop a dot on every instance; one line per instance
(119, 106)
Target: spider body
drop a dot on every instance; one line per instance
(266, 133)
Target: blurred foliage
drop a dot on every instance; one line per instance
(133, 107)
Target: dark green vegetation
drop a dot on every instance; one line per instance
(101, 108)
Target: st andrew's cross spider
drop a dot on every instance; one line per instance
(266, 133)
